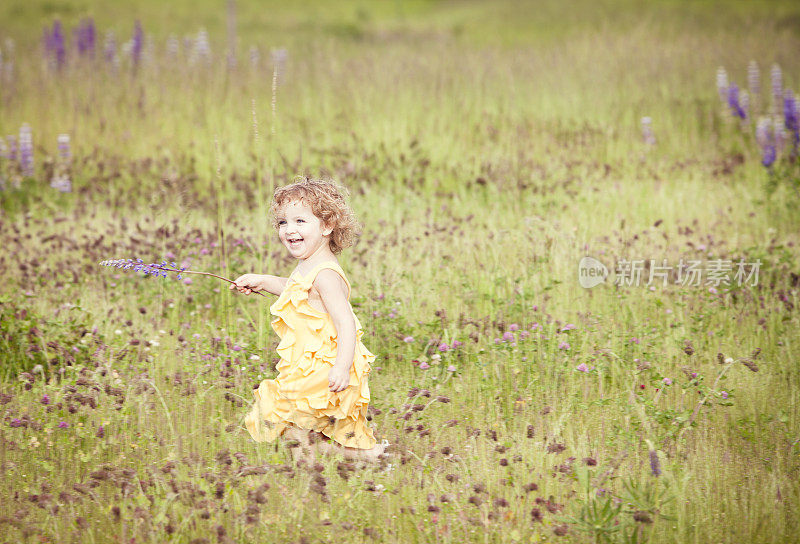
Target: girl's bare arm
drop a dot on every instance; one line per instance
(334, 297)
(273, 284)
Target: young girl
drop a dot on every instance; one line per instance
(321, 389)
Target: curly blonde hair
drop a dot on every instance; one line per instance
(327, 200)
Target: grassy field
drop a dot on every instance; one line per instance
(488, 147)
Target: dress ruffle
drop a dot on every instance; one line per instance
(299, 395)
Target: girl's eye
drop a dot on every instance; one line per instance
(302, 220)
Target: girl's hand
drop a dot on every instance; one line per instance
(338, 378)
(247, 283)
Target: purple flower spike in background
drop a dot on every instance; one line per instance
(766, 139)
(776, 77)
(647, 131)
(58, 44)
(85, 37)
(26, 150)
(754, 78)
(790, 118)
(733, 101)
(722, 84)
(137, 44)
(63, 147)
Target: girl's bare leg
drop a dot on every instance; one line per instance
(306, 450)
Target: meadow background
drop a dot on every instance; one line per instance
(488, 146)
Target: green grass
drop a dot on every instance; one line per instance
(487, 148)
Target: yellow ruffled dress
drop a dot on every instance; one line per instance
(299, 395)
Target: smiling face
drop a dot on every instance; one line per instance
(301, 231)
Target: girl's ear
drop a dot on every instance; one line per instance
(326, 231)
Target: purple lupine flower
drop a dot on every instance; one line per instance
(776, 77)
(45, 399)
(11, 153)
(754, 78)
(85, 36)
(63, 147)
(790, 118)
(26, 150)
(279, 57)
(733, 101)
(508, 336)
(100, 432)
(722, 83)
(16, 422)
(58, 44)
(724, 394)
(655, 464)
(63, 425)
(138, 43)
(647, 131)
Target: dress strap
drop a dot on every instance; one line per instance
(309, 278)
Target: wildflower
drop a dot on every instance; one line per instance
(443, 347)
(655, 465)
(16, 422)
(508, 336)
(722, 83)
(497, 340)
(137, 43)
(45, 399)
(408, 339)
(26, 150)
(568, 327)
(776, 78)
(734, 102)
(667, 381)
(236, 347)
(424, 366)
(582, 367)
(753, 78)
(513, 327)
(100, 432)
(451, 368)
(641, 386)
(255, 358)
(63, 425)
(724, 394)
(456, 344)
(712, 290)
(564, 345)
(436, 357)
(634, 340)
